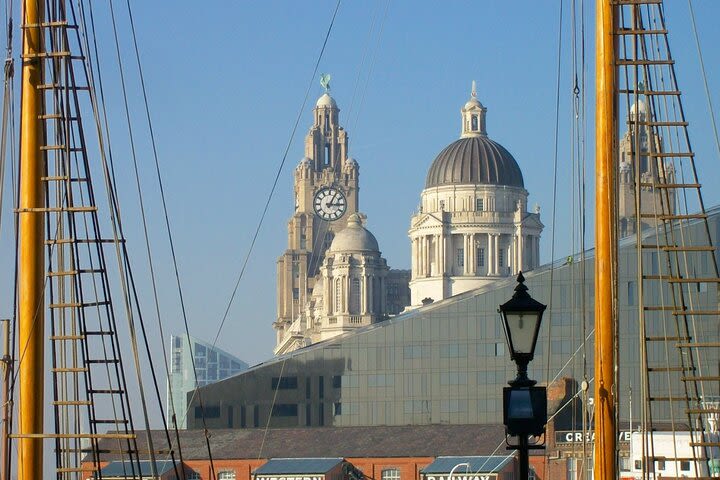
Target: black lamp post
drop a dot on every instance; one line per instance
(524, 404)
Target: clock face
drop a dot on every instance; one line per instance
(329, 203)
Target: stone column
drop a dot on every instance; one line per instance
(443, 253)
(364, 295)
(413, 258)
(471, 254)
(467, 253)
(418, 252)
(346, 294)
(490, 258)
(521, 251)
(427, 255)
(371, 294)
(496, 247)
(328, 300)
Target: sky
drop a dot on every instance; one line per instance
(226, 82)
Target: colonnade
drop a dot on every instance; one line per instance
(434, 255)
(370, 286)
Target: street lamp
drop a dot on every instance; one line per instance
(524, 404)
(452, 470)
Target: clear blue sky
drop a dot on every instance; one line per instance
(227, 79)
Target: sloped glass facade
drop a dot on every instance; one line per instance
(447, 362)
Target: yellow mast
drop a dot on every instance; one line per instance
(605, 249)
(31, 317)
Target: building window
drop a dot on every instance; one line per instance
(327, 123)
(631, 293)
(337, 381)
(327, 154)
(501, 257)
(474, 123)
(531, 474)
(296, 293)
(479, 204)
(499, 349)
(337, 408)
(284, 383)
(338, 295)
(684, 466)
(461, 257)
(442, 204)
(390, 474)
(307, 415)
(285, 410)
(256, 416)
(295, 270)
(355, 296)
(303, 241)
(192, 476)
(480, 257)
(660, 464)
(226, 475)
(321, 387)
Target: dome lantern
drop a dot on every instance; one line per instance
(473, 116)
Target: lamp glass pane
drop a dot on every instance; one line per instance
(522, 330)
(520, 405)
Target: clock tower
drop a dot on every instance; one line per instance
(325, 195)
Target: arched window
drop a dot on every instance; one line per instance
(338, 295)
(474, 123)
(355, 296)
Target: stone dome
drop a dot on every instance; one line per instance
(473, 103)
(326, 101)
(472, 161)
(354, 238)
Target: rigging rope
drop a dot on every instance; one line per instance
(711, 110)
(555, 185)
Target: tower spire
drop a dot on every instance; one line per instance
(473, 92)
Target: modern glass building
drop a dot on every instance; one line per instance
(211, 365)
(447, 362)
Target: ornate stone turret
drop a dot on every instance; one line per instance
(325, 166)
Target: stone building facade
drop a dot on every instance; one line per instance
(472, 225)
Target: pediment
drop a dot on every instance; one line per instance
(427, 220)
(532, 221)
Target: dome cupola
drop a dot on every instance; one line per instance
(326, 101)
(474, 159)
(354, 238)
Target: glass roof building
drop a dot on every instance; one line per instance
(447, 362)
